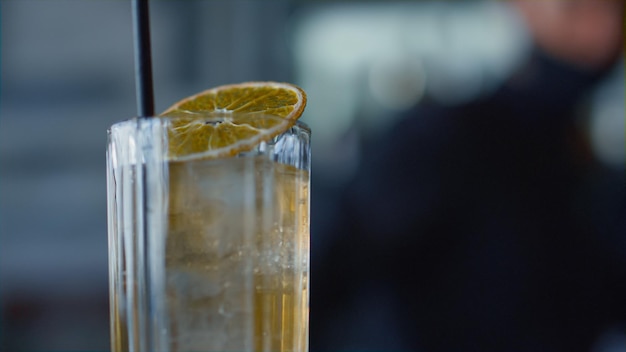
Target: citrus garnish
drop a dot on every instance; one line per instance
(227, 120)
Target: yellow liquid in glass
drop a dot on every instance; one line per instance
(236, 257)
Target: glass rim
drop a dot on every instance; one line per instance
(297, 123)
(127, 131)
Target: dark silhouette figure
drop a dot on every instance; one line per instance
(482, 227)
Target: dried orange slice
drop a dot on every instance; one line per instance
(227, 120)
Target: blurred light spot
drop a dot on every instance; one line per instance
(612, 340)
(362, 63)
(607, 120)
(397, 83)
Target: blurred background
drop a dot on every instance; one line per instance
(67, 74)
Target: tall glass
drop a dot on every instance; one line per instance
(207, 254)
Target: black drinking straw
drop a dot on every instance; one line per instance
(143, 59)
(145, 108)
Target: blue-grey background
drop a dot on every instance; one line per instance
(67, 74)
